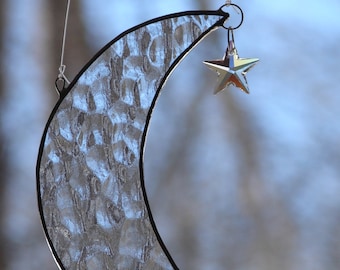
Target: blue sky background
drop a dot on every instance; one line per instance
(294, 104)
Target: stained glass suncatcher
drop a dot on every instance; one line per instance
(91, 192)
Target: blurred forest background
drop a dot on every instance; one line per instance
(235, 181)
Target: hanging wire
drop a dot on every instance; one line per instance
(61, 76)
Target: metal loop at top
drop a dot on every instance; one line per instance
(241, 12)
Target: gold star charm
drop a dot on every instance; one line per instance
(232, 69)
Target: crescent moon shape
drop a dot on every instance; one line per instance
(90, 185)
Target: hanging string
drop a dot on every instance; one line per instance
(62, 67)
(228, 2)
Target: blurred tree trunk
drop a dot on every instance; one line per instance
(272, 229)
(4, 246)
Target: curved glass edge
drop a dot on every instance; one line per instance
(220, 21)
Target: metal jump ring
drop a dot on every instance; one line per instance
(242, 16)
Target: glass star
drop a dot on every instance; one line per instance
(232, 70)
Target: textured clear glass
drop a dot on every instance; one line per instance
(90, 181)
